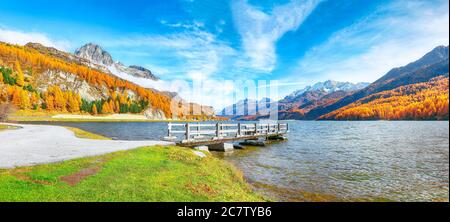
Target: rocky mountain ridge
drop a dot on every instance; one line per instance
(95, 54)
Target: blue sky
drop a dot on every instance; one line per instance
(297, 42)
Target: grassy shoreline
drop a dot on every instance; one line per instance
(158, 173)
(7, 127)
(37, 116)
(50, 119)
(85, 134)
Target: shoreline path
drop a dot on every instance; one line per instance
(40, 144)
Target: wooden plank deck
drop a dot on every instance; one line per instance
(197, 134)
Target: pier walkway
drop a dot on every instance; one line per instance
(198, 134)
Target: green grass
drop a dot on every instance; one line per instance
(6, 127)
(86, 135)
(158, 173)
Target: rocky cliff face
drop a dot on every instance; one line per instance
(140, 71)
(95, 54)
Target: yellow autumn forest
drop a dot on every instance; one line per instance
(420, 101)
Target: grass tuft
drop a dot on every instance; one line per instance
(7, 127)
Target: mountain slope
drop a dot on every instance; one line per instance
(433, 64)
(300, 111)
(419, 101)
(299, 103)
(35, 77)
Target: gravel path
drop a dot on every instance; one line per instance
(38, 144)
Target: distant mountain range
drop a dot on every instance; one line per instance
(300, 102)
(330, 97)
(328, 86)
(306, 98)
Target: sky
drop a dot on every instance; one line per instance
(292, 43)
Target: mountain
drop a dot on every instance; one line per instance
(420, 101)
(100, 57)
(300, 102)
(439, 53)
(328, 86)
(300, 111)
(414, 91)
(247, 107)
(296, 104)
(315, 92)
(39, 78)
(94, 53)
(433, 64)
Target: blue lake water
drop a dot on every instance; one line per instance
(366, 160)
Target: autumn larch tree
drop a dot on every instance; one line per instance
(20, 81)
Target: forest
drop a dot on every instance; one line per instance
(420, 101)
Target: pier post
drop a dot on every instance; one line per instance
(217, 130)
(169, 129)
(239, 130)
(278, 128)
(188, 132)
(256, 128)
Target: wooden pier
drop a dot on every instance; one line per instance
(198, 134)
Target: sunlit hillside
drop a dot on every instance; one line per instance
(420, 101)
(32, 80)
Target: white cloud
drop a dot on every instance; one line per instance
(195, 55)
(394, 35)
(195, 25)
(260, 31)
(196, 51)
(22, 38)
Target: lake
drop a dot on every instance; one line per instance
(334, 161)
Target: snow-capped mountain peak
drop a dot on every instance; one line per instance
(329, 86)
(95, 54)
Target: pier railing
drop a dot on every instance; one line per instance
(191, 132)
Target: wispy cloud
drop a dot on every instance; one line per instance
(198, 53)
(186, 25)
(260, 31)
(394, 35)
(22, 38)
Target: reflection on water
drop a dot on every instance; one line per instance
(323, 160)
